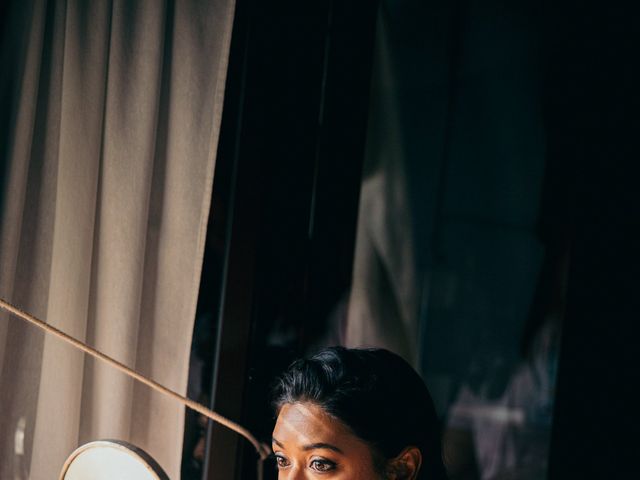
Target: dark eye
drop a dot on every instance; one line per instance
(322, 465)
(282, 462)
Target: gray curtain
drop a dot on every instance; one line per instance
(447, 253)
(385, 292)
(112, 113)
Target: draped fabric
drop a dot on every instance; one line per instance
(447, 253)
(111, 112)
(384, 300)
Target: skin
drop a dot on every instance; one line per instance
(308, 443)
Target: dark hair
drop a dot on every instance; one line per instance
(376, 394)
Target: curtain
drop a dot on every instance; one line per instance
(111, 112)
(384, 299)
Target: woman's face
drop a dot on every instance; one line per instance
(309, 443)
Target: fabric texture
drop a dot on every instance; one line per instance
(384, 300)
(113, 111)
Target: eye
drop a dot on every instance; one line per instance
(322, 465)
(281, 461)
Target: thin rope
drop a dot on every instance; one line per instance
(262, 449)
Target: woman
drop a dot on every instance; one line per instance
(357, 415)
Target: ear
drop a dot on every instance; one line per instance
(406, 465)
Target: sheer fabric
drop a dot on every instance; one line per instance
(384, 299)
(112, 111)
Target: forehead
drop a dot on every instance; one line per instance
(306, 423)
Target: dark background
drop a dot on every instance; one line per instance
(292, 148)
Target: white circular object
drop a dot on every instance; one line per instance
(111, 460)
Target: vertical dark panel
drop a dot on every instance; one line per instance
(593, 142)
(340, 152)
(293, 127)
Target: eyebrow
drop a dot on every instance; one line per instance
(327, 446)
(312, 446)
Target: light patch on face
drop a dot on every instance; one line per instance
(309, 443)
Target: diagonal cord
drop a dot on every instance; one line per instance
(262, 450)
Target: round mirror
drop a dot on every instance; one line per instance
(110, 460)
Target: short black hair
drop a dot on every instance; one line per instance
(376, 394)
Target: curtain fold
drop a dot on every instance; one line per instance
(106, 195)
(383, 302)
